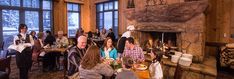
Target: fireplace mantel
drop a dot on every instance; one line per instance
(185, 19)
(178, 12)
(160, 26)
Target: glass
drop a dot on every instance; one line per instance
(100, 22)
(15, 2)
(116, 14)
(5, 2)
(10, 23)
(75, 7)
(27, 3)
(47, 20)
(35, 4)
(73, 23)
(116, 4)
(111, 5)
(31, 3)
(106, 6)
(100, 7)
(47, 5)
(32, 20)
(69, 7)
(100, 15)
(108, 20)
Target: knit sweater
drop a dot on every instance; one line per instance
(96, 72)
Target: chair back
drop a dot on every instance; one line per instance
(5, 65)
(1, 45)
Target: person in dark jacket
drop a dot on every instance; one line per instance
(50, 39)
(24, 57)
(111, 34)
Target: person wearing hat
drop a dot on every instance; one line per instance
(121, 41)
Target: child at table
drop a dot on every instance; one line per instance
(127, 73)
(155, 67)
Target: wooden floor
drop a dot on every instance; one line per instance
(36, 73)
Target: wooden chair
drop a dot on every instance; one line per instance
(1, 45)
(5, 65)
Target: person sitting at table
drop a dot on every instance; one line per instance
(91, 66)
(61, 40)
(75, 55)
(127, 73)
(79, 32)
(33, 34)
(103, 33)
(155, 67)
(24, 58)
(97, 33)
(50, 39)
(38, 46)
(111, 34)
(108, 50)
(133, 50)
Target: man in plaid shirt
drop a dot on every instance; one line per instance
(135, 52)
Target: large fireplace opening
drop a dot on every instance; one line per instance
(154, 39)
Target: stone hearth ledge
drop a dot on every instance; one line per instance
(196, 71)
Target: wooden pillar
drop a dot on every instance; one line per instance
(60, 16)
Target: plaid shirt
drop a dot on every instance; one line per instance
(136, 54)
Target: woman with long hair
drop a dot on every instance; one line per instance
(91, 66)
(108, 50)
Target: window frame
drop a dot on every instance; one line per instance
(72, 11)
(109, 10)
(22, 18)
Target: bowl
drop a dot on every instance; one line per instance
(178, 53)
(175, 58)
(190, 56)
(185, 61)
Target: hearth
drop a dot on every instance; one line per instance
(182, 23)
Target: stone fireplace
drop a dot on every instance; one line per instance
(184, 23)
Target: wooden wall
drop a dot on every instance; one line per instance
(219, 17)
(220, 20)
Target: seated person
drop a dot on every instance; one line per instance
(155, 67)
(75, 55)
(38, 47)
(108, 50)
(61, 40)
(49, 39)
(91, 66)
(127, 73)
(133, 51)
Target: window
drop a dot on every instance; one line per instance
(10, 2)
(47, 14)
(107, 16)
(36, 14)
(73, 18)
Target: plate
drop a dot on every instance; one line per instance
(119, 70)
(141, 67)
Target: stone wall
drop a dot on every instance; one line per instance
(186, 18)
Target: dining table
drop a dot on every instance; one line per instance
(141, 73)
(61, 50)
